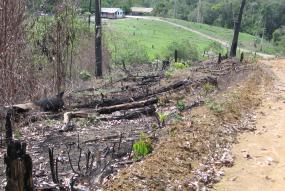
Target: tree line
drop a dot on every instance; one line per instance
(262, 17)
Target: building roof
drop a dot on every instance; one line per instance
(111, 10)
(141, 9)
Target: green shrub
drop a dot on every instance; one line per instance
(142, 147)
(208, 87)
(214, 106)
(179, 66)
(186, 51)
(215, 47)
(178, 118)
(168, 74)
(17, 134)
(85, 75)
(180, 105)
(162, 117)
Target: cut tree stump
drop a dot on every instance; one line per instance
(18, 168)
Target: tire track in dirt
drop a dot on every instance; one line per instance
(260, 156)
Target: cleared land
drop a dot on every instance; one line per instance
(247, 41)
(153, 35)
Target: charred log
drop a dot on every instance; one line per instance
(51, 104)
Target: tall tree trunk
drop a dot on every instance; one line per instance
(237, 30)
(98, 39)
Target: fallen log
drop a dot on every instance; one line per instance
(127, 106)
(132, 114)
(104, 103)
(125, 100)
(51, 104)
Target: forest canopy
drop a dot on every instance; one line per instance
(262, 17)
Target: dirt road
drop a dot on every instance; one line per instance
(224, 43)
(260, 156)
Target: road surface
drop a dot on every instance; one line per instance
(260, 156)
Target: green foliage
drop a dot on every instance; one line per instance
(84, 75)
(180, 105)
(208, 87)
(168, 74)
(278, 35)
(125, 51)
(178, 118)
(162, 117)
(258, 14)
(17, 134)
(179, 66)
(151, 37)
(247, 41)
(186, 51)
(279, 38)
(142, 147)
(214, 106)
(216, 48)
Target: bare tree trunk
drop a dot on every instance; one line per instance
(237, 30)
(98, 39)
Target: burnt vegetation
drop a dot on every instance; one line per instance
(71, 119)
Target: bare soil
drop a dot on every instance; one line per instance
(260, 155)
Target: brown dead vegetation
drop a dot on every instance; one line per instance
(194, 141)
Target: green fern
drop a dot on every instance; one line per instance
(142, 147)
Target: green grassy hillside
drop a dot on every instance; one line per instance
(155, 36)
(245, 40)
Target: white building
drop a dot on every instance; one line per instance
(112, 13)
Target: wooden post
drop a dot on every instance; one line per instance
(176, 55)
(98, 39)
(237, 30)
(242, 57)
(220, 58)
(18, 168)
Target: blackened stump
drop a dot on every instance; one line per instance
(18, 168)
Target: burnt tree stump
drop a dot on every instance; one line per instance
(18, 168)
(8, 127)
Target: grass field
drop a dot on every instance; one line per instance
(245, 40)
(156, 36)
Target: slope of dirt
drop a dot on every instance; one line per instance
(260, 155)
(190, 156)
(188, 152)
(110, 142)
